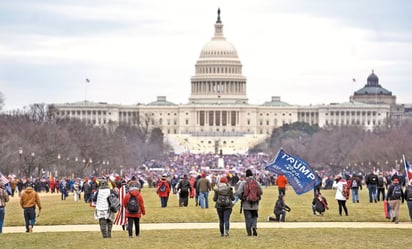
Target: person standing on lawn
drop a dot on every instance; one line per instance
(395, 196)
(223, 196)
(28, 201)
(250, 192)
(340, 185)
(281, 182)
(204, 187)
(4, 197)
(408, 198)
(163, 190)
(102, 211)
(134, 204)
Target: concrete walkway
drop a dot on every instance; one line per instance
(233, 225)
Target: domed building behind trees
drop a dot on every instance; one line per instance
(218, 117)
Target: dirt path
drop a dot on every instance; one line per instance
(233, 225)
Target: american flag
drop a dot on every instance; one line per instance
(120, 218)
(408, 169)
(6, 184)
(3, 179)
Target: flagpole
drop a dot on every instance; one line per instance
(406, 171)
(85, 89)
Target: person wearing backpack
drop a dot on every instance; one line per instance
(223, 196)
(250, 192)
(184, 188)
(102, 211)
(133, 201)
(340, 185)
(163, 190)
(371, 181)
(408, 197)
(381, 186)
(395, 196)
(356, 184)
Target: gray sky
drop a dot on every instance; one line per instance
(132, 51)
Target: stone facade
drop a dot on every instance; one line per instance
(218, 116)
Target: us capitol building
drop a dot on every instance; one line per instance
(218, 117)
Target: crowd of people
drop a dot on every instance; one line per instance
(238, 178)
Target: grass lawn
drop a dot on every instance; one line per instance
(57, 212)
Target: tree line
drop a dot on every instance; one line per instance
(33, 143)
(349, 148)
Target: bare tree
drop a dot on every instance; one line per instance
(1, 101)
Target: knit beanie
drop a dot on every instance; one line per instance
(249, 173)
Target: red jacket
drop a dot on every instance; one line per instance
(167, 192)
(139, 199)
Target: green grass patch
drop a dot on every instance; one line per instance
(58, 212)
(209, 238)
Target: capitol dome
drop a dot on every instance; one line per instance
(218, 77)
(218, 47)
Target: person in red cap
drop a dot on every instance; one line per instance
(223, 196)
(163, 190)
(204, 187)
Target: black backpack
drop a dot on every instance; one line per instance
(133, 205)
(114, 203)
(380, 181)
(409, 193)
(223, 200)
(184, 186)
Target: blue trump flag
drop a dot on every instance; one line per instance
(297, 171)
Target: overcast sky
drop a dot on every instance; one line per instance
(132, 51)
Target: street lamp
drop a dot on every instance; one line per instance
(20, 152)
(58, 164)
(20, 155)
(32, 154)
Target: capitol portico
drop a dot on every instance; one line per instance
(218, 116)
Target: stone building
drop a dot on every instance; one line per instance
(218, 116)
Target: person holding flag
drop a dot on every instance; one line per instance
(408, 198)
(4, 197)
(408, 189)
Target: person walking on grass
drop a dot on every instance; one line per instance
(408, 198)
(356, 184)
(281, 182)
(204, 187)
(340, 185)
(102, 211)
(163, 190)
(184, 189)
(250, 193)
(223, 196)
(371, 181)
(134, 204)
(4, 197)
(395, 196)
(28, 201)
(120, 218)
